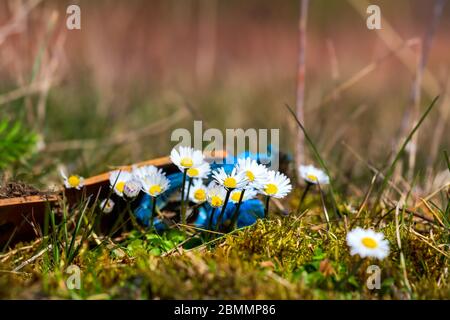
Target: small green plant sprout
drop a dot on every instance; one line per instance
(16, 142)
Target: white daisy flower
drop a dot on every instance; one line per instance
(234, 180)
(118, 179)
(155, 184)
(141, 172)
(256, 173)
(107, 205)
(236, 195)
(367, 243)
(72, 181)
(314, 175)
(200, 172)
(132, 188)
(216, 195)
(186, 158)
(277, 186)
(198, 192)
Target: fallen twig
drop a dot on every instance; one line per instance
(28, 261)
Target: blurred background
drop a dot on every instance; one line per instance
(112, 92)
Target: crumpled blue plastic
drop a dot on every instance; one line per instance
(249, 211)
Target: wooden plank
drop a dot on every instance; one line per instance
(28, 199)
(99, 184)
(15, 211)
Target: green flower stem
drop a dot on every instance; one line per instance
(188, 190)
(183, 208)
(322, 198)
(210, 223)
(152, 217)
(235, 216)
(120, 219)
(211, 217)
(353, 272)
(227, 197)
(305, 192)
(133, 219)
(266, 210)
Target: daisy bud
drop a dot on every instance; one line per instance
(314, 175)
(132, 188)
(107, 205)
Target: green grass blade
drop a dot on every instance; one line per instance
(390, 171)
(9, 239)
(66, 235)
(75, 233)
(318, 157)
(447, 214)
(45, 242)
(88, 230)
(447, 159)
(55, 244)
(40, 55)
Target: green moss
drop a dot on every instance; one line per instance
(279, 258)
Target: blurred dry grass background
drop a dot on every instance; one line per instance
(112, 92)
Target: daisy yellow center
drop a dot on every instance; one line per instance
(155, 190)
(312, 177)
(230, 183)
(216, 201)
(369, 243)
(200, 195)
(250, 176)
(120, 186)
(74, 181)
(236, 196)
(271, 189)
(187, 162)
(192, 172)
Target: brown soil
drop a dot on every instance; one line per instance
(18, 189)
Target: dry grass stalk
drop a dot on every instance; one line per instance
(152, 129)
(366, 197)
(49, 71)
(18, 21)
(412, 114)
(439, 129)
(30, 260)
(393, 40)
(206, 47)
(21, 92)
(361, 74)
(300, 103)
(399, 244)
(371, 167)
